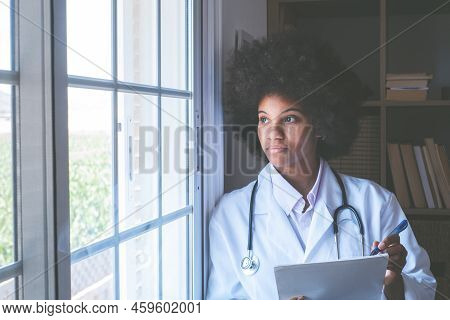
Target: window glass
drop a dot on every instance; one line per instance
(93, 277)
(6, 179)
(173, 44)
(90, 166)
(175, 153)
(174, 262)
(7, 289)
(137, 40)
(89, 38)
(138, 159)
(139, 265)
(5, 35)
(129, 154)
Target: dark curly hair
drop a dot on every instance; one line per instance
(300, 68)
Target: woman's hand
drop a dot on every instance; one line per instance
(393, 281)
(298, 298)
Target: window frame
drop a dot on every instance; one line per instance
(211, 115)
(32, 156)
(42, 218)
(115, 87)
(11, 77)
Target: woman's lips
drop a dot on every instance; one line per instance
(275, 149)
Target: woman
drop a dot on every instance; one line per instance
(306, 109)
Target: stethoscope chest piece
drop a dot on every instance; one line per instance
(250, 264)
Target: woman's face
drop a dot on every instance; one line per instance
(285, 133)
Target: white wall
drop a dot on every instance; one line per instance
(250, 15)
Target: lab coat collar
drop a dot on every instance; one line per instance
(287, 196)
(278, 228)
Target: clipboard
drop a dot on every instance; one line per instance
(359, 278)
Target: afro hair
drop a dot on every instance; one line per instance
(301, 68)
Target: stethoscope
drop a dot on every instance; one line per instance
(250, 264)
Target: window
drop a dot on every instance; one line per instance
(97, 146)
(130, 125)
(10, 267)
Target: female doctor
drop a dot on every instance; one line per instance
(306, 108)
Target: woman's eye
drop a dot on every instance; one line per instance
(289, 119)
(263, 119)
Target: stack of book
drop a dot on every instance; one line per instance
(407, 86)
(421, 174)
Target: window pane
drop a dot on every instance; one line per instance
(174, 154)
(7, 289)
(6, 179)
(89, 38)
(139, 264)
(174, 260)
(137, 40)
(5, 35)
(138, 159)
(90, 166)
(93, 278)
(173, 44)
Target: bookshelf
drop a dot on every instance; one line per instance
(427, 213)
(393, 36)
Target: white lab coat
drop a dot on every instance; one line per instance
(275, 242)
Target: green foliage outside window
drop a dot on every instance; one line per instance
(90, 192)
(6, 202)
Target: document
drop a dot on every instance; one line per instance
(359, 278)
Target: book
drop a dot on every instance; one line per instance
(406, 95)
(406, 84)
(441, 177)
(409, 89)
(444, 160)
(398, 175)
(412, 176)
(423, 176)
(432, 178)
(412, 76)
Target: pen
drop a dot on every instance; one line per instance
(402, 226)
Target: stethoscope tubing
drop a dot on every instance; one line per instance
(251, 264)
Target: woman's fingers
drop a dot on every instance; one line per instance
(375, 244)
(388, 241)
(397, 257)
(395, 249)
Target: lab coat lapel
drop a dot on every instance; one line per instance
(320, 244)
(284, 246)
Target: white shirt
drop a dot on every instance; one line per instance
(293, 204)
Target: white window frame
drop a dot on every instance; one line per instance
(33, 161)
(11, 77)
(212, 116)
(43, 217)
(115, 87)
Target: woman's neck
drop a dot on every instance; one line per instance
(302, 175)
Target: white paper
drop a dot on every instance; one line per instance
(358, 278)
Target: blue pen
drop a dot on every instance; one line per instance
(402, 226)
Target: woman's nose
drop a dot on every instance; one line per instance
(275, 132)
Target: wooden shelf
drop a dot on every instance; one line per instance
(391, 103)
(427, 213)
(426, 103)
